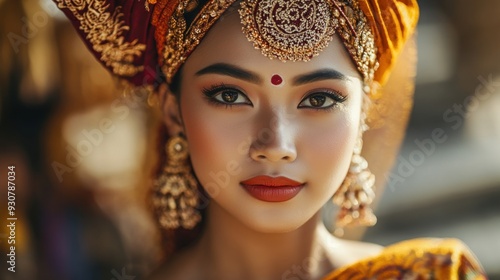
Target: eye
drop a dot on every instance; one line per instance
(322, 100)
(231, 96)
(222, 94)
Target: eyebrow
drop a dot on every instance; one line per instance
(249, 76)
(232, 71)
(320, 75)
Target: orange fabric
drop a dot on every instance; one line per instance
(162, 12)
(393, 23)
(446, 259)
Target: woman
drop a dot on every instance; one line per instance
(265, 105)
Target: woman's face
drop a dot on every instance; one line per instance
(242, 122)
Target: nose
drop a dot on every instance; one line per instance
(274, 142)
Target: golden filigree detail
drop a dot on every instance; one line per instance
(104, 31)
(424, 258)
(175, 195)
(288, 30)
(181, 39)
(358, 38)
(299, 30)
(356, 194)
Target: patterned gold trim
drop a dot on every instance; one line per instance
(293, 30)
(288, 30)
(341, 16)
(423, 258)
(181, 39)
(358, 38)
(104, 31)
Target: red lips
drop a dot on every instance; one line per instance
(272, 189)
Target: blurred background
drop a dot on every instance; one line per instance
(446, 180)
(79, 147)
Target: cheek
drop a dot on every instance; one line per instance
(327, 150)
(335, 146)
(215, 143)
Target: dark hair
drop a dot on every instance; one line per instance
(175, 85)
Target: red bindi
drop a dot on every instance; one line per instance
(276, 80)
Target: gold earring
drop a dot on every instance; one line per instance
(175, 191)
(356, 193)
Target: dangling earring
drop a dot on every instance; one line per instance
(174, 192)
(356, 193)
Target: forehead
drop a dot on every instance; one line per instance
(226, 43)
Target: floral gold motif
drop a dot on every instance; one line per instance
(293, 30)
(182, 39)
(104, 31)
(288, 30)
(175, 192)
(284, 29)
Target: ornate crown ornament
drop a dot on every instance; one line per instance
(289, 30)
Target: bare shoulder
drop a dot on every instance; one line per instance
(183, 267)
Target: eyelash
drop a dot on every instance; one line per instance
(334, 95)
(210, 92)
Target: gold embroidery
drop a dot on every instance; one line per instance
(294, 30)
(278, 30)
(181, 40)
(415, 259)
(104, 31)
(288, 30)
(358, 38)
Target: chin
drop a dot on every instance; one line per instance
(240, 209)
(276, 220)
(273, 226)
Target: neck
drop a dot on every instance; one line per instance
(235, 251)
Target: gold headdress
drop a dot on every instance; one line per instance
(300, 30)
(288, 30)
(134, 39)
